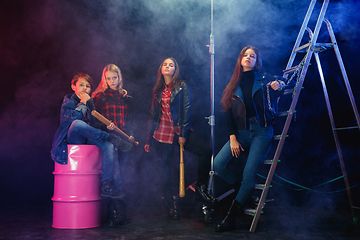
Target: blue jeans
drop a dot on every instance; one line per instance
(257, 141)
(82, 133)
(120, 160)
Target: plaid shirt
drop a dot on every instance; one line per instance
(166, 131)
(112, 106)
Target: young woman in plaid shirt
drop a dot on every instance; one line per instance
(112, 101)
(169, 125)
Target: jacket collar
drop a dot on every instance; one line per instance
(174, 92)
(258, 83)
(76, 98)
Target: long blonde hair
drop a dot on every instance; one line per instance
(103, 83)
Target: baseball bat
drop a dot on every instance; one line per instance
(107, 122)
(182, 175)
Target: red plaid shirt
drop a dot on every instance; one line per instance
(166, 131)
(112, 106)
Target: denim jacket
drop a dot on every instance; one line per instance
(236, 115)
(180, 106)
(71, 109)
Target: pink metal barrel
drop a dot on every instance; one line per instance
(77, 200)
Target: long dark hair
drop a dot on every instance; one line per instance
(160, 77)
(227, 97)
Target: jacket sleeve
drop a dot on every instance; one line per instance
(72, 111)
(151, 120)
(231, 128)
(186, 111)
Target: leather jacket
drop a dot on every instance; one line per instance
(236, 115)
(180, 106)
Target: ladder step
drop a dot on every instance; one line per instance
(260, 186)
(283, 114)
(321, 47)
(346, 128)
(299, 49)
(250, 211)
(257, 200)
(277, 137)
(288, 91)
(270, 161)
(292, 69)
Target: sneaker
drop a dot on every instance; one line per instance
(107, 190)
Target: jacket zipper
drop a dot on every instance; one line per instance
(264, 107)
(244, 108)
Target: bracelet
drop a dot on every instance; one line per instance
(281, 84)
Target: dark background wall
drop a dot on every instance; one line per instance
(44, 43)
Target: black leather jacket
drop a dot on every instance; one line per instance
(236, 115)
(180, 106)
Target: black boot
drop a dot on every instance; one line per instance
(109, 191)
(116, 213)
(228, 223)
(171, 208)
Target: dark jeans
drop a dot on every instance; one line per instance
(120, 160)
(193, 144)
(257, 141)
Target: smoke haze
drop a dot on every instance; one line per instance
(44, 43)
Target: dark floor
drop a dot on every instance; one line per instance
(275, 223)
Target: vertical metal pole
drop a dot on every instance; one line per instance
(212, 116)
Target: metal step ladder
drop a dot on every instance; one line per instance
(310, 48)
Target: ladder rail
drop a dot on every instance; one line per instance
(343, 71)
(281, 141)
(271, 173)
(310, 51)
(279, 149)
(300, 35)
(333, 127)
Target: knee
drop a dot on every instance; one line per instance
(77, 124)
(108, 147)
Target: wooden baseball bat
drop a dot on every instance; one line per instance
(107, 122)
(182, 175)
